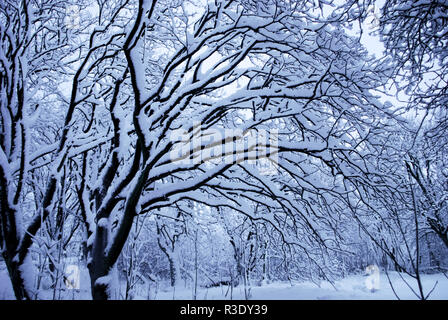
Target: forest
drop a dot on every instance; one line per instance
(166, 149)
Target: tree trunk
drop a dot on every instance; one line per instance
(17, 280)
(173, 272)
(174, 268)
(98, 267)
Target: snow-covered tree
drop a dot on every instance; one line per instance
(255, 122)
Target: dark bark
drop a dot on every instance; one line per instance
(11, 242)
(17, 280)
(98, 267)
(171, 262)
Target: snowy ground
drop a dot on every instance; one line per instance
(352, 287)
